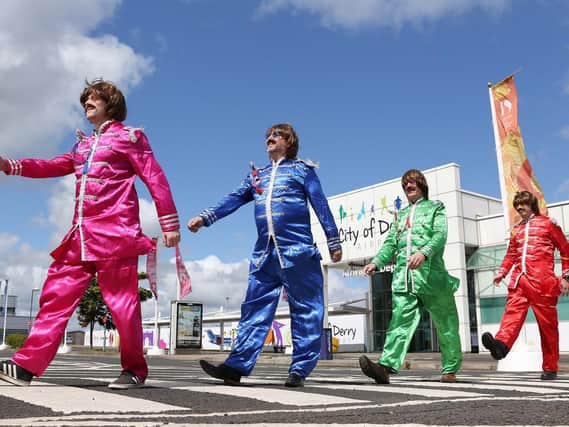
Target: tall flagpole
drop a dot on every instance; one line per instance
(4, 346)
(64, 348)
(529, 357)
(155, 349)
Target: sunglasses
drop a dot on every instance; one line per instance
(276, 135)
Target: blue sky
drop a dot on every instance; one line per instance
(372, 87)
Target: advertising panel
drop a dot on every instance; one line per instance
(187, 319)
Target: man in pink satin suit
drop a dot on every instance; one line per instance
(105, 238)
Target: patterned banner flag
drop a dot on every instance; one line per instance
(183, 276)
(151, 269)
(516, 173)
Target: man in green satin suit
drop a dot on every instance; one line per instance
(417, 240)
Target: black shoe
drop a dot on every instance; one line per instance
(14, 374)
(548, 375)
(294, 380)
(497, 348)
(223, 372)
(126, 380)
(378, 372)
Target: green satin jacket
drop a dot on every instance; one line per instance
(421, 227)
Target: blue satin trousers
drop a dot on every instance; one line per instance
(304, 286)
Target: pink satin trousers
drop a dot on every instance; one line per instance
(60, 296)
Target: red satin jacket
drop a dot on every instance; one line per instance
(531, 252)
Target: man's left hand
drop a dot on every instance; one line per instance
(416, 260)
(564, 287)
(170, 238)
(336, 255)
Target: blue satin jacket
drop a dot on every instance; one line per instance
(281, 192)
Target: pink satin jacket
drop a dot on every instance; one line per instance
(106, 223)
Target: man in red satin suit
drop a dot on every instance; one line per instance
(533, 283)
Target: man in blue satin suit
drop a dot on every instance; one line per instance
(284, 256)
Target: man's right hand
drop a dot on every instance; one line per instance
(497, 279)
(564, 287)
(195, 224)
(370, 269)
(4, 165)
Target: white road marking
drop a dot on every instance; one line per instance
(71, 400)
(490, 387)
(272, 395)
(402, 389)
(538, 383)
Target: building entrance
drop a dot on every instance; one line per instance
(425, 337)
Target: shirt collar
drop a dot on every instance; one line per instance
(416, 201)
(104, 127)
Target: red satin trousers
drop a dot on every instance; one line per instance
(519, 300)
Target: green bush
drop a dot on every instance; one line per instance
(16, 340)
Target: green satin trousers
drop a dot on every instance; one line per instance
(404, 321)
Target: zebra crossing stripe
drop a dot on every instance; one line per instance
(536, 383)
(490, 387)
(115, 419)
(403, 389)
(273, 395)
(69, 400)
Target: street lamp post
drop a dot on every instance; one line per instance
(31, 306)
(4, 346)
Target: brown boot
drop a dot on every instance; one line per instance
(448, 378)
(373, 370)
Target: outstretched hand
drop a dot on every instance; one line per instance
(497, 279)
(170, 238)
(4, 165)
(336, 255)
(195, 224)
(369, 269)
(564, 287)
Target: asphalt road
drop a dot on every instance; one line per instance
(73, 392)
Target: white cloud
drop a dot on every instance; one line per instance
(563, 188)
(564, 132)
(24, 268)
(358, 14)
(46, 53)
(7, 241)
(149, 219)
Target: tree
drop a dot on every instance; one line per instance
(92, 308)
